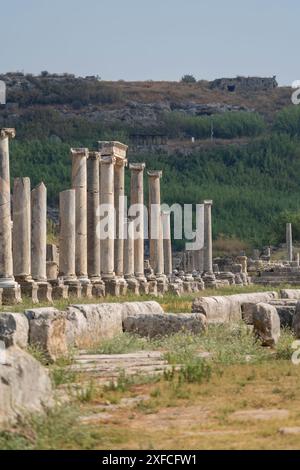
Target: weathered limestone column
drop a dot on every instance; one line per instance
(289, 242)
(199, 254)
(110, 152)
(119, 183)
(67, 241)
(39, 241)
(209, 277)
(22, 230)
(79, 184)
(208, 261)
(93, 221)
(137, 199)
(167, 244)
(22, 238)
(133, 284)
(11, 289)
(156, 236)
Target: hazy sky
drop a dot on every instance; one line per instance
(152, 39)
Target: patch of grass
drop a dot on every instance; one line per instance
(196, 371)
(38, 354)
(284, 346)
(58, 429)
(86, 394)
(62, 375)
(121, 344)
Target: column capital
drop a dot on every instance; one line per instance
(94, 155)
(117, 149)
(7, 132)
(108, 159)
(137, 166)
(154, 173)
(208, 202)
(79, 152)
(121, 161)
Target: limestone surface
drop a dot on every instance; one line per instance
(25, 386)
(266, 324)
(164, 324)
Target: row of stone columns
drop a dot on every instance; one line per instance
(23, 241)
(88, 261)
(98, 181)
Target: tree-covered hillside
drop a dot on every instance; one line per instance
(255, 184)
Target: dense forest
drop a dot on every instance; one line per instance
(255, 185)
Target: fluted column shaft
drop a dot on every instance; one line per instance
(119, 183)
(167, 243)
(107, 201)
(129, 249)
(156, 245)
(208, 259)
(289, 241)
(67, 238)
(93, 216)
(6, 259)
(137, 198)
(39, 233)
(22, 229)
(79, 184)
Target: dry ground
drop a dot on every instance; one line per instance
(218, 390)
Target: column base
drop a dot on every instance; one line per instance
(11, 295)
(30, 289)
(112, 287)
(123, 285)
(59, 290)
(209, 280)
(162, 284)
(152, 287)
(44, 291)
(98, 288)
(87, 290)
(175, 288)
(143, 285)
(133, 285)
(74, 287)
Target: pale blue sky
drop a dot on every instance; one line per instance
(152, 39)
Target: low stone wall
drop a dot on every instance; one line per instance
(223, 309)
(81, 326)
(159, 325)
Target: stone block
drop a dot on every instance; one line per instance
(159, 325)
(266, 324)
(14, 329)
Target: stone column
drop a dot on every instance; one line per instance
(22, 238)
(67, 241)
(39, 241)
(289, 242)
(208, 261)
(79, 184)
(11, 289)
(119, 194)
(156, 237)
(199, 254)
(137, 199)
(209, 277)
(110, 152)
(167, 244)
(22, 230)
(133, 284)
(93, 221)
